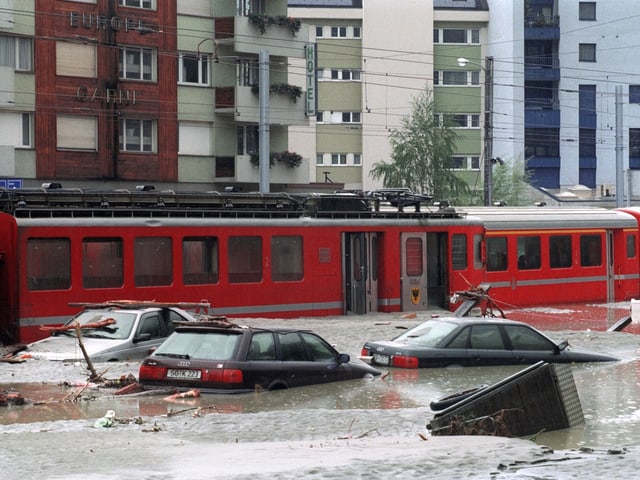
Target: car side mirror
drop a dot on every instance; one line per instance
(561, 346)
(344, 358)
(143, 337)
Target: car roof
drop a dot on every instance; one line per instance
(222, 325)
(479, 320)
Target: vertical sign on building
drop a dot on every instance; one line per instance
(310, 67)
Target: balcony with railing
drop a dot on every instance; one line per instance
(541, 27)
(242, 102)
(541, 68)
(249, 34)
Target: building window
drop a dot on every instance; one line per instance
(456, 35)
(466, 162)
(16, 52)
(248, 72)
(146, 4)
(247, 138)
(634, 93)
(357, 32)
(338, 32)
(26, 137)
(339, 74)
(345, 117)
(248, 7)
(634, 148)
(193, 69)
(587, 143)
(456, 78)
(137, 63)
(76, 60)
(587, 52)
(338, 159)
(197, 8)
(138, 135)
(460, 120)
(319, 31)
(587, 11)
(319, 117)
(77, 133)
(194, 139)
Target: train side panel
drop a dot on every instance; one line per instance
(9, 304)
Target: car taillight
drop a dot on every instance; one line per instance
(151, 372)
(364, 352)
(222, 375)
(401, 361)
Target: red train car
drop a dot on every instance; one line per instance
(250, 255)
(545, 256)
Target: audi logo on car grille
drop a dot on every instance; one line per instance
(184, 364)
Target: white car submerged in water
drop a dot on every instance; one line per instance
(110, 333)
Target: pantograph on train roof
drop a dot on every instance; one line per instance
(145, 201)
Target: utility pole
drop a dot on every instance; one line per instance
(619, 146)
(488, 131)
(263, 127)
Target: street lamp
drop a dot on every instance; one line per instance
(488, 124)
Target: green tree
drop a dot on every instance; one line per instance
(422, 154)
(510, 182)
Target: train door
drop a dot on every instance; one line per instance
(413, 274)
(361, 272)
(609, 256)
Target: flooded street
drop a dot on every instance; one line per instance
(357, 429)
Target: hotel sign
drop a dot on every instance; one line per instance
(310, 71)
(106, 95)
(104, 22)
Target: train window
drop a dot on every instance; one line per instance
(528, 253)
(153, 261)
(245, 259)
(414, 260)
(631, 246)
(496, 254)
(199, 260)
(590, 250)
(102, 263)
(459, 251)
(48, 263)
(477, 252)
(560, 251)
(286, 258)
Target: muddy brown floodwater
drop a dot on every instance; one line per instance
(370, 428)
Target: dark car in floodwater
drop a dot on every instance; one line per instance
(469, 341)
(227, 358)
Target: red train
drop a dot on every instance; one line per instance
(279, 255)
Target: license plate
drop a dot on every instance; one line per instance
(184, 374)
(381, 359)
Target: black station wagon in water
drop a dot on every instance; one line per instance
(226, 358)
(468, 342)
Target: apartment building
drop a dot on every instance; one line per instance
(101, 93)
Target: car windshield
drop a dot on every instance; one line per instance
(90, 320)
(427, 334)
(199, 345)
